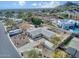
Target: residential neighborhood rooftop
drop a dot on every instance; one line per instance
(74, 43)
(40, 31)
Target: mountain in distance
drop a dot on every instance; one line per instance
(65, 7)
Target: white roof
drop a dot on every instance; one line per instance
(71, 22)
(16, 19)
(15, 31)
(66, 22)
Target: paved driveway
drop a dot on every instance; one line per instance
(6, 48)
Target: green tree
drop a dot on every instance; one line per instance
(21, 14)
(1, 13)
(60, 54)
(9, 22)
(8, 14)
(33, 54)
(37, 21)
(65, 15)
(55, 40)
(25, 16)
(29, 16)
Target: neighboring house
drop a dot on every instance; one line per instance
(14, 32)
(43, 46)
(38, 32)
(48, 45)
(71, 12)
(16, 20)
(71, 25)
(73, 47)
(45, 35)
(66, 23)
(2, 17)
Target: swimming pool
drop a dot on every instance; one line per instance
(71, 25)
(76, 31)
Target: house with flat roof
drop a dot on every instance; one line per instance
(47, 44)
(43, 46)
(15, 32)
(40, 32)
(73, 47)
(66, 23)
(70, 25)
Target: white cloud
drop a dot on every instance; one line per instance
(22, 3)
(49, 4)
(34, 4)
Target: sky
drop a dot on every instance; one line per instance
(30, 4)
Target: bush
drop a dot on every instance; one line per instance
(60, 54)
(64, 15)
(55, 40)
(9, 22)
(37, 21)
(33, 54)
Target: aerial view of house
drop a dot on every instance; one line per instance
(39, 29)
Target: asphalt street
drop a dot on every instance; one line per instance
(7, 50)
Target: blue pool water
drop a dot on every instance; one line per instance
(76, 31)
